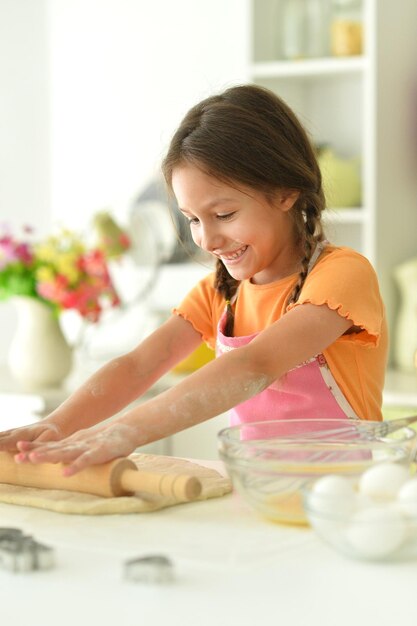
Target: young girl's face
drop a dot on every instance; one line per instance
(254, 238)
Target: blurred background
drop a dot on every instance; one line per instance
(91, 91)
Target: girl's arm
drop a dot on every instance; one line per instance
(239, 374)
(225, 382)
(115, 385)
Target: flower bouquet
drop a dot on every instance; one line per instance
(45, 278)
(61, 271)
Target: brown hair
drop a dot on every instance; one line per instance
(247, 135)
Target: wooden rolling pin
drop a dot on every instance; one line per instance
(117, 478)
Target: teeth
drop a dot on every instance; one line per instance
(234, 256)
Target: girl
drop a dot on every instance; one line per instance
(298, 324)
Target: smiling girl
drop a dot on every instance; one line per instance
(298, 324)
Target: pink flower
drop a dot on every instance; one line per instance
(124, 241)
(12, 251)
(24, 253)
(6, 251)
(94, 263)
(55, 290)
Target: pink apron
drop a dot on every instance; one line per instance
(307, 391)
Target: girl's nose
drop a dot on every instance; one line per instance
(209, 238)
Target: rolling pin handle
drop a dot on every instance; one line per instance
(182, 487)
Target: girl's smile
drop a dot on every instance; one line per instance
(253, 237)
(229, 258)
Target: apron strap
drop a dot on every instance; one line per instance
(318, 250)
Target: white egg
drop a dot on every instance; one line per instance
(326, 527)
(376, 532)
(383, 481)
(407, 498)
(332, 495)
(333, 484)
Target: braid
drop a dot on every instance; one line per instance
(310, 231)
(227, 287)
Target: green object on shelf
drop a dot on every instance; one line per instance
(341, 179)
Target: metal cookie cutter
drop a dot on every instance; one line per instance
(149, 569)
(21, 553)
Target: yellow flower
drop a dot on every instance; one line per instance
(45, 274)
(71, 242)
(66, 265)
(46, 252)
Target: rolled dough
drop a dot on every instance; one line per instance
(213, 486)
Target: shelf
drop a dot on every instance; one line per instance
(305, 68)
(348, 215)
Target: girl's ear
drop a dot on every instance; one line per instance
(287, 198)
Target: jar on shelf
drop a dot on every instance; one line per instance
(341, 178)
(304, 29)
(293, 32)
(317, 27)
(346, 30)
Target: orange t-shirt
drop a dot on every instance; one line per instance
(342, 279)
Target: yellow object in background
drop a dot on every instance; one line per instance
(346, 28)
(341, 179)
(346, 38)
(202, 355)
(111, 238)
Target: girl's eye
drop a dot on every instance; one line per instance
(226, 216)
(193, 221)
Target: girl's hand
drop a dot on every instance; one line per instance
(85, 447)
(40, 431)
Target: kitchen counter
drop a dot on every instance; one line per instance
(232, 568)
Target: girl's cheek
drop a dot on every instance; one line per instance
(196, 239)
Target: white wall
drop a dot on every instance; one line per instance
(90, 92)
(123, 72)
(24, 125)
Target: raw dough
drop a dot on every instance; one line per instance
(213, 483)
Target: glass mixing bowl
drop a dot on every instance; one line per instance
(271, 462)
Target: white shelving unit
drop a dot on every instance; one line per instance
(360, 106)
(326, 66)
(332, 98)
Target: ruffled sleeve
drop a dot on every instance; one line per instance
(202, 307)
(345, 281)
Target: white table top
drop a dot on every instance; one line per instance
(232, 569)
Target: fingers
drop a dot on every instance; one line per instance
(83, 448)
(9, 438)
(74, 455)
(88, 458)
(35, 432)
(51, 433)
(49, 452)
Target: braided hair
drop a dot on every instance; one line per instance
(247, 135)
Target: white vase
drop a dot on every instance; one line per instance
(39, 355)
